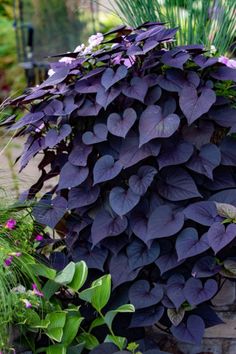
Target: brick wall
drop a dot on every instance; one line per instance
(220, 339)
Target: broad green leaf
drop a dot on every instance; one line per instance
(109, 317)
(56, 349)
(96, 323)
(80, 276)
(66, 275)
(32, 318)
(57, 322)
(50, 288)
(99, 293)
(42, 324)
(73, 321)
(89, 340)
(43, 270)
(120, 342)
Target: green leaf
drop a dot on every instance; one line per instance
(89, 340)
(120, 342)
(56, 349)
(57, 322)
(99, 293)
(50, 288)
(132, 347)
(66, 275)
(73, 321)
(109, 317)
(96, 323)
(43, 271)
(80, 276)
(32, 318)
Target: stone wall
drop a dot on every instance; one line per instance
(220, 339)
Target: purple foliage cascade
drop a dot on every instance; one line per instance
(139, 136)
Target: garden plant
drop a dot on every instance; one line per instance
(137, 136)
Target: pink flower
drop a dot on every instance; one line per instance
(8, 261)
(36, 291)
(10, 224)
(28, 305)
(95, 39)
(39, 238)
(231, 63)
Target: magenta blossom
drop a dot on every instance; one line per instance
(231, 63)
(10, 224)
(8, 261)
(36, 290)
(28, 305)
(38, 237)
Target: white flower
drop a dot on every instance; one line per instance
(51, 72)
(87, 50)
(19, 289)
(213, 49)
(79, 48)
(95, 39)
(66, 60)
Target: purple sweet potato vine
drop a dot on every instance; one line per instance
(140, 139)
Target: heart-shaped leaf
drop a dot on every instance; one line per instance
(193, 106)
(98, 135)
(198, 135)
(174, 291)
(164, 222)
(175, 58)
(139, 255)
(141, 296)
(176, 316)
(122, 201)
(79, 154)
(174, 153)
(205, 267)
(153, 124)
(72, 176)
(110, 77)
(120, 125)
(204, 213)
(54, 137)
(168, 261)
(105, 169)
(228, 154)
(191, 332)
(188, 243)
(82, 196)
(220, 236)
(195, 292)
(137, 89)
(147, 317)
(29, 118)
(120, 270)
(104, 98)
(105, 225)
(140, 182)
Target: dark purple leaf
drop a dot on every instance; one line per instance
(94, 257)
(228, 196)
(79, 154)
(89, 108)
(196, 292)
(54, 137)
(140, 182)
(69, 105)
(122, 201)
(106, 225)
(82, 196)
(54, 108)
(164, 222)
(168, 261)
(110, 77)
(199, 134)
(50, 212)
(120, 125)
(154, 125)
(29, 118)
(72, 176)
(59, 76)
(104, 348)
(204, 61)
(31, 148)
(137, 89)
(120, 270)
(193, 106)
(153, 95)
(206, 160)
(175, 58)
(104, 98)
(131, 153)
(175, 286)
(191, 332)
(174, 153)
(205, 267)
(204, 213)
(188, 243)
(228, 151)
(147, 317)
(106, 169)
(224, 116)
(220, 236)
(139, 255)
(98, 135)
(224, 73)
(223, 179)
(87, 86)
(141, 296)
(177, 185)
(139, 222)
